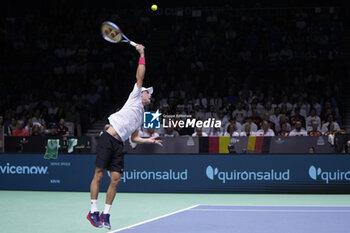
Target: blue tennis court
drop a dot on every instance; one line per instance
(248, 219)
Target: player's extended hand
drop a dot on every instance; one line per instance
(155, 141)
(140, 48)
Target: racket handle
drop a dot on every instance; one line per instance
(132, 43)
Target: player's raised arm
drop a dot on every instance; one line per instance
(141, 68)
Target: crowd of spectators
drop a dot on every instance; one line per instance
(274, 72)
(260, 71)
(47, 73)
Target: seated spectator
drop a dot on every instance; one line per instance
(331, 129)
(4, 124)
(52, 111)
(62, 130)
(302, 107)
(180, 109)
(311, 150)
(39, 119)
(239, 113)
(251, 108)
(252, 125)
(346, 147)
(315, 129)
(247, 130)
(187, 106)
(199, 133)
(331, 133)
(233, 121)
(199, 111)
(231, 130)
(297, 117)
(36, 131)
(29, 125)
(215, 131)
(284, 129)
(315, 105)
(276, 116)
(265, 130)
(330, 119)
(268, 109)
(72, 115)
(20, 131)
(283, 119)
(255, 105)
(203, 101)
(216, 100)
(329, 108)
(212, 113)
(224, 120)
(312, 117)
(256, 117)
(207, 130)
(284, 110)
(298, 131)
(170, 132)
(226, 105)
(52, 131)
(11, 127)
(266, 117)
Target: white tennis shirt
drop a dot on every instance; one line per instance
(129, 118)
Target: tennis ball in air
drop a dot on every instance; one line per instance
(154, 7)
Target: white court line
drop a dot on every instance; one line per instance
(153, 219)
(260, 210)
(287, 206)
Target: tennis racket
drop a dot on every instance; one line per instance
(112, 33)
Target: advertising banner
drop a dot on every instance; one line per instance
(183, 173)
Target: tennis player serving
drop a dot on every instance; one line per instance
(110, 153)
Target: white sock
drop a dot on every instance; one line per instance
(107, 209)
(94, 207)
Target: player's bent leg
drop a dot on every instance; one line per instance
(112, 190)
(93, 215)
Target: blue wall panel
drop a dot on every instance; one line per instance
(184, 173)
